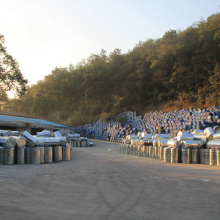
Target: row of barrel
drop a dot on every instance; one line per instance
(34, 155)
(79, 143)
(25, 148)
(174, 155)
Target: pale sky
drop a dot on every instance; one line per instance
(44, 34)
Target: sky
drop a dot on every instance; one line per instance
(44, 34)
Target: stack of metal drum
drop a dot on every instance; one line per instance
(77, 141)
(25, 148)
(157, 122)
(198, 147)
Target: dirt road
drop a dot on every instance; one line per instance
(100, 183)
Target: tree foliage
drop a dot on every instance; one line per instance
(182, 64)
(11, 77)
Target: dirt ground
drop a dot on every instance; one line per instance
(100, 183)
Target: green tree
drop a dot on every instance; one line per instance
(11, 77)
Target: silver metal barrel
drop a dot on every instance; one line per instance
(144, 150)
(139, 150)
(14, 133)
(202, 155)
(128, 148)
(173, 143)
(45, 133)
(20, 155)
(156, 152)
(195, 156)
(125, 148)
(209, 132)
(1, 155)
(161, 153)
(27, 154)
(66, 152)
(218, 157)
(207, 156)
(215, 143)
(212, 157)
(216, 136)
(35, 155)
(57, 153)
(21, 142)
(190, 144)
(150, 151)
(167, 154)
(9, 155)
(87, 143)
(31, 140)
(186, 156)
(131, 149)
(48, 154)
(42, 154)
(80, 143)
(134, 149)
(174, 155)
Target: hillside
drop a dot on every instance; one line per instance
(179, 70)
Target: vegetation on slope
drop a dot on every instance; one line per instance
(178, 70)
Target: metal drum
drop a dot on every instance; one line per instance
(73, 142)
(27, 154)
(1, 155)
(139, 147)
(134, 149)
(147, 151)
(57, 153)
(80, 143)
(9, 156)
(128, 148)
(35, 155)
(42, 154)
(20, 155)
(207, 156)
(156, 152)
(125, 148)
(161, 153)
(202, 156)
(195, 156)
(66, 152)
(120, 148)
(48, 154)
(151, 148)
(131, 149)
(76, 143)
(174, 155)
(167, 156)
(144, 150)
(218, 157)
(212, 157)
(87, 143)
(186, 156)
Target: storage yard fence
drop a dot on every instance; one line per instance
(45, 147)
